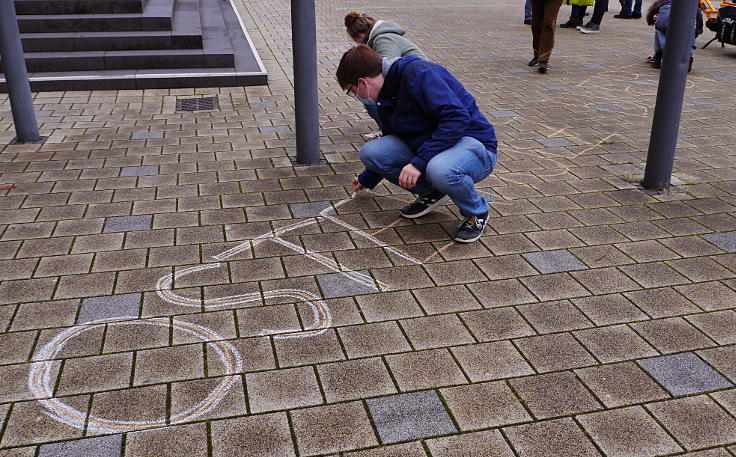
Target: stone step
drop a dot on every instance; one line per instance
(110, 41)
(41, 62)
(48, 7)
(156, 15)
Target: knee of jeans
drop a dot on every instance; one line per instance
(441, 176)
(368, 153)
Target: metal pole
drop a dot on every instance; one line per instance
(16, 77)
(672, 79)
(304, 44)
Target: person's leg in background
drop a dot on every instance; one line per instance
(658, 49)
(625, 10)
(528, 12)
(547, 33)
(594, 25)
(576, 17)
(636, 14)
(537, 18)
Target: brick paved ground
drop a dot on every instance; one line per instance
(591, 319)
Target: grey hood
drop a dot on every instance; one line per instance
(381, 27)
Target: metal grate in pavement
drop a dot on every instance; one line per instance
(196, 104)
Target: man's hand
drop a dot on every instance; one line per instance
(409, 176)
(357, 186)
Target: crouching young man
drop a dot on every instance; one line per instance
(436, 143)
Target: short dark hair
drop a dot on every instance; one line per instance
(358, 62)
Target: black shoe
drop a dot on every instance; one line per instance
(423, 204)
(543, 66)
(571, 23)
(528, 21)
(622, 16)
(635, 15)
(471, 229)
(657, 59)
(533, 62)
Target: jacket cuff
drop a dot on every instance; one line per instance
(369, 179)
(419, 163)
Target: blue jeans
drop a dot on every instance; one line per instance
(453, 171)
(659, 40)
(626, 9)
(528, 10)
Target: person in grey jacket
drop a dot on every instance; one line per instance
(387, 39)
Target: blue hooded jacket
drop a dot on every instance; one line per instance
(429, 110)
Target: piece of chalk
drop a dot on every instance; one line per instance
(355, 194)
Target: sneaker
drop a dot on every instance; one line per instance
(423, 204)
(543, 66)
(590, 27)
(572, 23)
(471, 229)
(533, 62)
(622, 16)
(635, 15)
(657, 59)
(373, 135)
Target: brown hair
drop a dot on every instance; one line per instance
(357, 23)
(358, 62)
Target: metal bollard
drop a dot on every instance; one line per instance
(304, 44)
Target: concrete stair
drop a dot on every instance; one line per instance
(135, 44)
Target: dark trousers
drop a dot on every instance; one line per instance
(600, 8)
(544, 20)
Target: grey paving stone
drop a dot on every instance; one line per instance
(684, 374)
(109, 307)
(504, 113)
(594, 66)
(555, 142)
(556, 86)
(263, 105)
(518, 70)
(698, 101)
(554, 261)
(410, 416)
(720, 78)
(275, 128)
(146, 135)
(484, 55)
(607, 107)
(103, 446)
(724, 240)
(338, 285)
(305, 210)
(127, 223)
(145, 170)
(642, 82)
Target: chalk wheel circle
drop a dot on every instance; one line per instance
(41, 386)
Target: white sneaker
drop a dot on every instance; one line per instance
(373, 135)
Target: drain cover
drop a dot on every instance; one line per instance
(196, 104)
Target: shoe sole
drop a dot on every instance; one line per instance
(589, 32)
(429, 208)
(459, 240)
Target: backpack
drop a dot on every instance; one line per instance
(725, 25)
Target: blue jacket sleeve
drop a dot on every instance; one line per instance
(440, 102)
(369, 179)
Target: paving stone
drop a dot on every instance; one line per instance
(145, 170)
(410, 416)
(425, 369)
(355, 379)
(628, 432)
(555, 142)
(718, 325)
(554, 394)
(413, 449)
(146, 135)
(373, 339)
(558, 351)
(503, 113)
(725, 240)
(190, 440)
(696, 422)
(490, 361)
(262, 435)
(672, 335)
(614, 343)
(109, 307)
(554, 261)
(488, 443)
(621, 384)
(484, 405)
(127, 223)
(607, 107)
(103, 446)
(332, 428)
(551, 317)
(338, 285)
(282, 389)
(306, 210)
(684, 374)
(436, 331)
(555, 437)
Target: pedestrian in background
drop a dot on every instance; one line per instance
(528, 12)
(544, 21)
